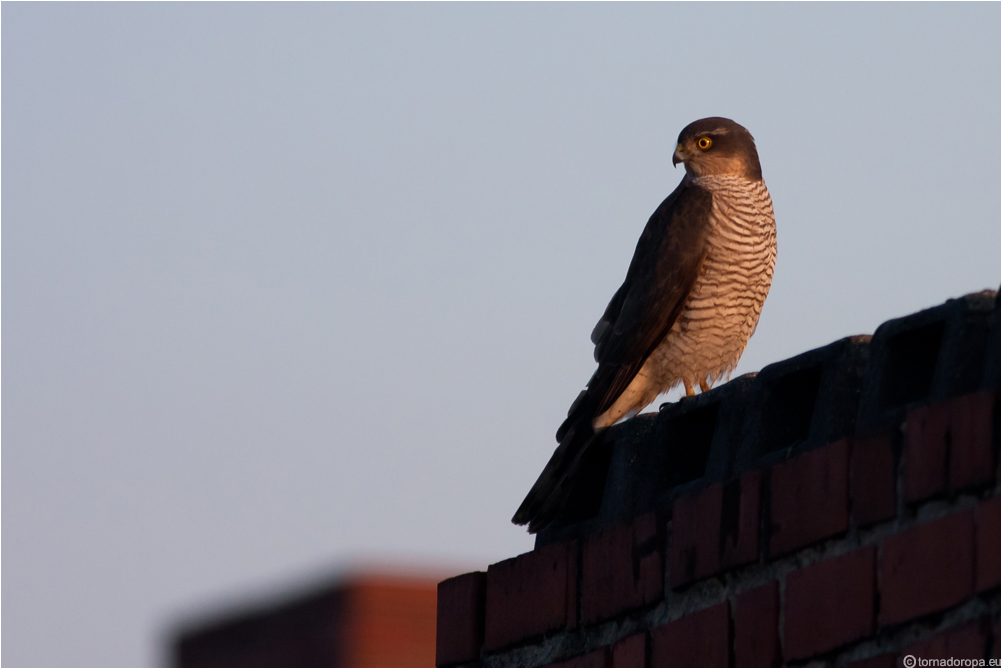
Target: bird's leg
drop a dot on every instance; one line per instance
(689, 387)
(704, 385)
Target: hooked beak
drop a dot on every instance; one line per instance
(678, 157)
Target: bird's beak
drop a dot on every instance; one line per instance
(678, 156)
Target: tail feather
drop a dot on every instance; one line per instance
(547, 497)
(550, 492)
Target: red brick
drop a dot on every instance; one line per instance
(459, 630)
(714, 530)
(595, 659)
(971, 443)
(987, 544)
(926, 568)
(872, 479)
(698, 640)
(809, 498)
(756, 616)
(529, 595)
(380, 608)
(926, 451)
(829, 604)
(622, 568)
(889, 660)
(631, 652)
(968, 641)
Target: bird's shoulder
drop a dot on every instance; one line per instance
(675, 228)
(664, 265)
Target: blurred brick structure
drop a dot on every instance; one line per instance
(838, 508)
(364, 621)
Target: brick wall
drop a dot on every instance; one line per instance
(368, 620)
(838, 508)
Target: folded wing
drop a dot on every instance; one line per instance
(665, 266)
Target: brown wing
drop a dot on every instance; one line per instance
(665, 265)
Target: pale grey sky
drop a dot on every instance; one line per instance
(292, 287)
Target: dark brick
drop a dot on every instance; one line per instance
(968, 641)
(987, 544)
(926, 452)
(622, 568)
(715, 530)
(949, 444)
(631, 652)
(889, 660)
(872, 479)
(574, 565)
(530, 595)
(697, 640)
(595, 659)
(926, 568)
(459, 630)
(740, 521)
(695, 540)
(995, 653)
(809, 498)
(971, 443)
(829, 604)
(756, 616)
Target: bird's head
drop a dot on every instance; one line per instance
(717, 146)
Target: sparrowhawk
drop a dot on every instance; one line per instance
(691, 300)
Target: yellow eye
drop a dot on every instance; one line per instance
(704, 143)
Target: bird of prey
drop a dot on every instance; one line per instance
(689, 304)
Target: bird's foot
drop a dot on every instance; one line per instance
(704, 386)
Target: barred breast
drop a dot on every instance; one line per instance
(722, 310)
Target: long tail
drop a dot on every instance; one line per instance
(547, 497)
